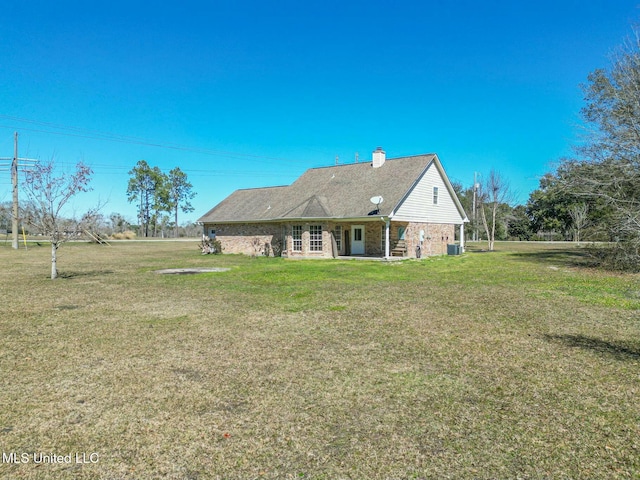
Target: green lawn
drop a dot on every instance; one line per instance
(520, 363)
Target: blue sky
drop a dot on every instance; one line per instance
(243, 94)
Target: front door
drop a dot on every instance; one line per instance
(357, 240)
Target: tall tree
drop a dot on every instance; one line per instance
(160, 203)
(494, 192)
(519, 224)
(466, 197)
(548, 206)
(579, 213)
(555, 207)
(143, 188)
(48, 194)
(180, 192)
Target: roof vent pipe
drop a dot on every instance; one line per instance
(379, 156)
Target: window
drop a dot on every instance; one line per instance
(401, 233)
(296, 235)
(435, 195)
(338, 235)
(357, 234)
(315, 238)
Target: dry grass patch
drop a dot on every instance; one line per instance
(479, 366)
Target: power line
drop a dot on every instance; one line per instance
(71, 131)
(124, 170)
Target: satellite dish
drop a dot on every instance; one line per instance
(377, 200)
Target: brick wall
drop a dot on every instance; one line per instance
(374, 238)
(436, 237)
(256, 239)
(249, 239)
(259, 238)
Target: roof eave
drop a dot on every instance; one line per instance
(366, 218)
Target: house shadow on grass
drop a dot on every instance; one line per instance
(618, 350)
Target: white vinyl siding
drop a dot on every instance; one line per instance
(419, 207)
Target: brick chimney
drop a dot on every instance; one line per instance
(379, 157)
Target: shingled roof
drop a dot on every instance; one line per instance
(342, 191)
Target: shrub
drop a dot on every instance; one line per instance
(619, 256)
(208, 245)
(128, 235)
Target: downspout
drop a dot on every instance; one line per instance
(462, 237)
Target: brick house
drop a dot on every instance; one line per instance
(381, 208)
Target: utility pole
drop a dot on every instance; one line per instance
(14, 185)
(16, 163)
(475, 193)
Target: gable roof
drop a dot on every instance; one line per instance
(312, 207)
(342, 191)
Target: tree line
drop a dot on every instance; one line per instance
(159, 198)
(550, 214)
(593, 195)
(113, 225)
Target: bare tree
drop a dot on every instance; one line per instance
(48, 194)
(579, 214)
(493, 192)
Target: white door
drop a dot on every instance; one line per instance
(357, 240)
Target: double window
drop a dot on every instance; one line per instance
(315, 238)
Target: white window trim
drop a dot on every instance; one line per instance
(294, 239)
(315, 238)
